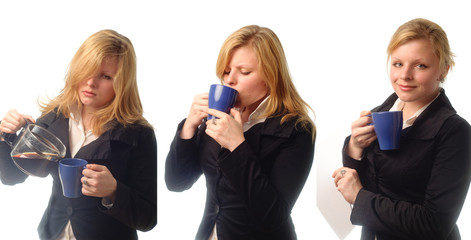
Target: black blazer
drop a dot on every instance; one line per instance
(251, 191)
(417, 191)
(131, 156)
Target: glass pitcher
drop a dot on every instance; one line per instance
(35, 150)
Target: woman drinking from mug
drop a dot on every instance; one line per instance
(255, 159)
(418, 190)
(98, 115)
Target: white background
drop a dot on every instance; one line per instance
(336, 52)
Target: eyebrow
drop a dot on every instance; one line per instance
(415, 60)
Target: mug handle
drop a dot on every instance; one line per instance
(370, 116)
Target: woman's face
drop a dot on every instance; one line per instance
(415, 72)
(244, 75)
(97, 91)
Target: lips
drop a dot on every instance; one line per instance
(88, 94)
(406, 87)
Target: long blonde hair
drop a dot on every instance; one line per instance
(284, 98)
(126, 107)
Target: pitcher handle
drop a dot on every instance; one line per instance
(10, 138)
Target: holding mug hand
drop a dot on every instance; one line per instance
(362, 135)
(196, 115)
(348, 183)
(13, 121)
(97, 181)
(225, 129)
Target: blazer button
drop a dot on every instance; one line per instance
(217, 209)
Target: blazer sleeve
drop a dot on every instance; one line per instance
(9, 173)
(359, 165)
(182, 167)
(136, 201)
(436, 216)
(271, 197)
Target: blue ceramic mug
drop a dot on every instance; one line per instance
(388, 128)
(70, 173)
(221, 98)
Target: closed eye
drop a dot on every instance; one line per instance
(107, 77)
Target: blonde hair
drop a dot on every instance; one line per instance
(420, 28)
(284, 98)
(126, 107)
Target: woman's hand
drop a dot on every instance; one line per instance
(98, 182)
(13, 121)
(196, 115)
(348, 183)
(226, 130)
(362, 135)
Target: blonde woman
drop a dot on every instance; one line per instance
(98, 116)
(418, 190)
(255, 159)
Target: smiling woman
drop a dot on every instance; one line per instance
(416, 74)
(418, 190)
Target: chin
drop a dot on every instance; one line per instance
(237, 104)
(403, 96)
(406, 98)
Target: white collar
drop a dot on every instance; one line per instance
(399, 105)
(77, 136)
(254, 117)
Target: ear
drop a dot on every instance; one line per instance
(444, 74)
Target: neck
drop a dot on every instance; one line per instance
(410, 108)
(246, 111)
(87, 120)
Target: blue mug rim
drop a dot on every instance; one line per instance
(76, 162)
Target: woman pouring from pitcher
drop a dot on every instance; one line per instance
(99, 117)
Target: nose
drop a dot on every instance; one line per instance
(406, 73)
(230, 79)
(91, 81)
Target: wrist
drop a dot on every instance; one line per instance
(236, 145)
(112, 196)
(355, 197)
(107, 202)
(354, 152)
(188, 130)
